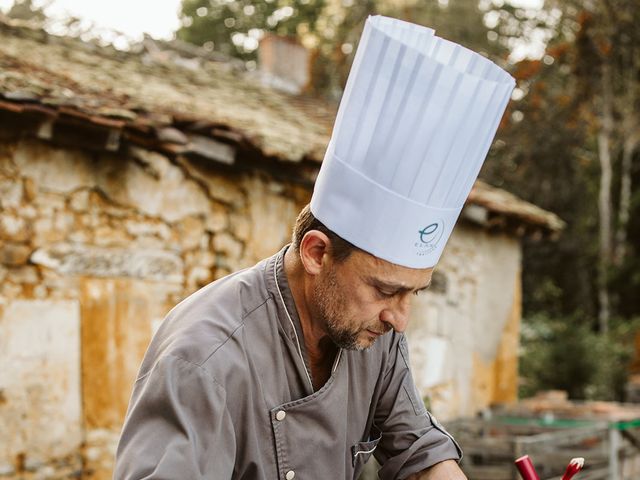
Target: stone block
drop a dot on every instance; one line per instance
(48, 202)
(45, 232)
(14, 254)
(145, 228)
(240, 226)
(10, 193)
(80, 236)
(14, 228)
(170, 196)
(271, 218)
(69, 259)
(226, 245)
(27, 274)
(74, 169)
(222, 188)
(105, 236)
(79, 201)
(149, 242)
(217, 218)
(10, 290)
(92, 220)
(156, 164)
(63, 221)
(189, 232)
(28, 212)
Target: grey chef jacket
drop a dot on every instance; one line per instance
(223, 393)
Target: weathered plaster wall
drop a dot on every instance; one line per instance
(94, 250)
(40, 402)
(464, 331)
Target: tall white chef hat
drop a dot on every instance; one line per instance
(414, 126)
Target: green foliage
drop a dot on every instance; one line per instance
(234, 27)
(548, 153)
(563, 354)
(330, 27)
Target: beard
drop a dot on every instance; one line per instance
(330, 307)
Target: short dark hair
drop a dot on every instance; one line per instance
(306, 221)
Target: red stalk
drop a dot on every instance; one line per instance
(525, 467)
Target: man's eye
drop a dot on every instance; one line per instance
(384, 293)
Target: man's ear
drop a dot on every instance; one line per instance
(314, 251)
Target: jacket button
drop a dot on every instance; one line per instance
(290, 475)
(280, 416)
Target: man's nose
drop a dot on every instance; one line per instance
(397, 316)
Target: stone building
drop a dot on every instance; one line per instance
(129, 180)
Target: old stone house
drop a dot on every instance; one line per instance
(130, 179)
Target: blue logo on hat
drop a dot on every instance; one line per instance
(426, 234)
(429, 237)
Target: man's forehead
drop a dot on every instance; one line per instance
(389, 273)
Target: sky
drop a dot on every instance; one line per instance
(159, 18)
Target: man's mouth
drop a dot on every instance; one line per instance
(374, 333)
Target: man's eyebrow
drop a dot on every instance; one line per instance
(396, 287)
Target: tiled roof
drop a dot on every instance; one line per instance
(180, 99)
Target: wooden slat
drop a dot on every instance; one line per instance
(488, 472)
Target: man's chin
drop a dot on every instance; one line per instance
(362, 340)
(365, 340)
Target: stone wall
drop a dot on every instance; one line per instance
(96, 248)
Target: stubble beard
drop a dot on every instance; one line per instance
(330, 303)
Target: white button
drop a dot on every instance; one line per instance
(280, 416)
(290, 474)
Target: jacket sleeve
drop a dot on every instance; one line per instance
(411, 439)
(177, 426)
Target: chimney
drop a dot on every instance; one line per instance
(284, 64)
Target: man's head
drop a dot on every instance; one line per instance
(351, 295)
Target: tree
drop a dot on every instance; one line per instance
(609, 58)
(330, 27)
(572, 142)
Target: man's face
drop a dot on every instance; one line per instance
(363, 297)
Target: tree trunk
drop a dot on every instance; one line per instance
(604, 200)
(631, 136)
(629, 148)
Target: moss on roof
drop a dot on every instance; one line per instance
(156, 89)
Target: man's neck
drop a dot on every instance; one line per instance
(320, 349)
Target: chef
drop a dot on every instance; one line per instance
(297, 368)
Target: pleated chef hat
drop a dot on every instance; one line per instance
(414, 126)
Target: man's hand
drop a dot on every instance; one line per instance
(447, 470)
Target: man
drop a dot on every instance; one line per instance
(297, 367)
